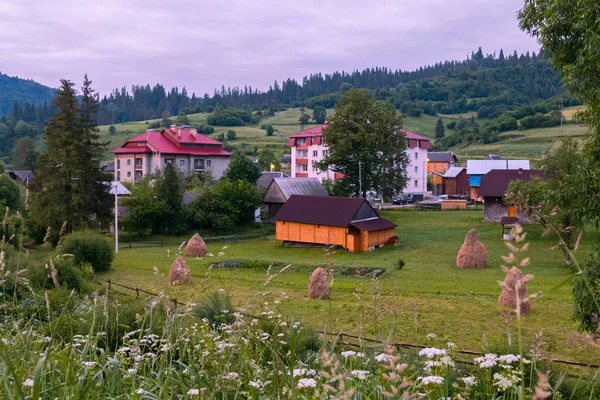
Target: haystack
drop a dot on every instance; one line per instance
(179, 274)
(195, 247)
(472, 254)
(508, 297)
(318, 286)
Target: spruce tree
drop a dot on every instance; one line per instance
(169, 190)
(69, 182)
(440, 132)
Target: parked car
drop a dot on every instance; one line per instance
(403, 199)
(444, 197)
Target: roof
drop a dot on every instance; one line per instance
(23, 175)
(108, 166)
(374, 224)
(267, 177)
(495, 183)
(316, 131)
(482, 167)
(118, 186)
(320, 210)
(300, 186)
(441, 156)
(453, 172)
(172, 140)
(493, 157)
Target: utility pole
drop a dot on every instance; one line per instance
(115, 187)
(561, 113)
(360, 180)
(278, 119)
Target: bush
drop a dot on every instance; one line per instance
(400, 264)
(217, 309)
(255, 264)
(231, 134)
(88, 247)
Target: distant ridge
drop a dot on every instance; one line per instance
(14, 88)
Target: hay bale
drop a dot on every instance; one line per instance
(472, 254)
(195, 247)
(508, 297)
(179, 274)
(318, 286)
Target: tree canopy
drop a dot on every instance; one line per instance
(241, 168)
(366, 145)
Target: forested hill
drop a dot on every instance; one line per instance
(22, 90)
(489, 84)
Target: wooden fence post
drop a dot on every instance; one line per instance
(130, 245)
(109, 284)
(175, 302)
(137, 293)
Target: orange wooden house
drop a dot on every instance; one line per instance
(335, 221)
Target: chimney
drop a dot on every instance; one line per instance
(520, 171)
(193, 132)
(179, 132)
(173, 128)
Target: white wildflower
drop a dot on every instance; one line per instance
(348, 353)
(221, 253)
(431, 352)
(307, 382)
(28, 383)
(231, 376)
(431, 380)
(193, 392)
(89, 363)
(384, 357)
(360, 374)
(431, 336)
(469, 381)
(508, 358)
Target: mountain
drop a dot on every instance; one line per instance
(13, 89)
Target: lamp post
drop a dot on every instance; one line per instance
(115, 188)
(425, 177)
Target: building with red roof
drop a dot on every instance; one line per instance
(308, 149)
(181, 146)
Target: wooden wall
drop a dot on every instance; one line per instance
(307, 233)
(494, 209)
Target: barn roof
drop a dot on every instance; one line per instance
(267, 177)
(453, 172)
(495, 183)
(300, 186)
(321, 210)
(482, 167)
(441, 156)
(374, 224)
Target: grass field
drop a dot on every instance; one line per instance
(430, 295)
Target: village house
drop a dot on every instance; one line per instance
(440, 161)
(308, 149)
(182, 146)
(476, 169)
(267, 177)
(494, 186)
(349, 222)
(281, 189)
(455, 181)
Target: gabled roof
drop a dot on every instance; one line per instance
(321, 210)
(267, 177)
(316, 131)
(108, 166)
(374, 224)
(492, 156)
(482, 167)
(22, 175)
(117, 187)
(495, 183)
(453, 172)
(300, 186)
(441, 156)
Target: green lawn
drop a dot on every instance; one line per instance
(430, 295)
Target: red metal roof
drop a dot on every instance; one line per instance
(316, 131)
(166, 141)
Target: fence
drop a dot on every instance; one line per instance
(341, 335)
(162, 243)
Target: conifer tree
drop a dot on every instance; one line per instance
(169, 190)
(440, 132)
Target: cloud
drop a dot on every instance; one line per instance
(205, 44)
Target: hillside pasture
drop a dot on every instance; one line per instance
(429, 295)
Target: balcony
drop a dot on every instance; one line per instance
(301, 147)
(139, 167)
(301, 174)
(301, 161)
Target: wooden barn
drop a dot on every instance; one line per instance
(281, 189)
(493, 187)
(456, 181)
(336, 221)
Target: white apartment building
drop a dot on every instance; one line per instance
(308, 149)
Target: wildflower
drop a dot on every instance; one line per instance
(221, 253)
(384, 358)
(224, 247)
(431, 336)
(488, 361)
(124, 350)
(451, 345)
(469, 381)
(431, 380)
(28, 383)
(140, 391)
(307, 382)
(231, 376)
(258, 384)
(508, 358)
(431, 352)
(193, 392)
(89, 363)
(504, 382)
(360, 374)
(348, 353)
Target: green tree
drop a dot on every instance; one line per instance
(231, 135)
(145, 211)
(266, 158)
(112, 130)
(23, 154)
(365, 141)
(440, 132)
(166, 122)
(2, 167)
(169, 189)
(243, 169)
(9, 192)
(270, 130)
(23, 129)
(304, 118)
(319, 114)
(182, 119)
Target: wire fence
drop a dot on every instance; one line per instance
(214, 239)
(353, 340)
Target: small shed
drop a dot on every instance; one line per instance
(351, 223)
(493, 188)
(456, 181)
(267, 177)
(476, 169)
(281, 189)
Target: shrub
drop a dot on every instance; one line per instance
(88, 247)
(255, 264)
(400, 264)
(217, 309)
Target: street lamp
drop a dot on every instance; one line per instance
(425, 177)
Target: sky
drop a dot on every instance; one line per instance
(203, 44)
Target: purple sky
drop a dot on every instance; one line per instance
(202, 44)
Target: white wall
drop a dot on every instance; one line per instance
(416, 180)
(312, 158)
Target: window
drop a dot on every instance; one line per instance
(303, 168)
(129, 174)
(128, 162)
(199, 163)
(416, 183)
(300, 141)
(416, 169)
(302, 154)
(182, 163)
(118, 164)
(208, 163)
(325, 153)
(315, 153)
(138, 162)
(416, 156)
